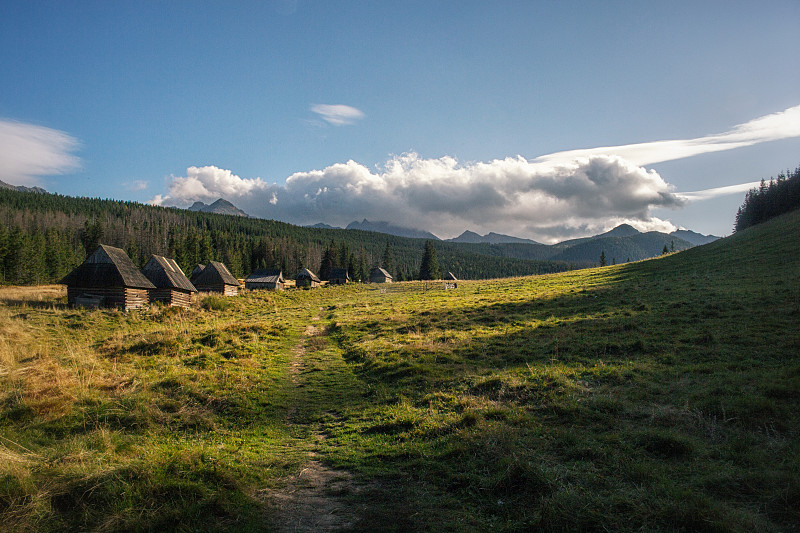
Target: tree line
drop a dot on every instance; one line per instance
(769, 200)
(44, 236)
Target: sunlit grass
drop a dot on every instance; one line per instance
(658, 395)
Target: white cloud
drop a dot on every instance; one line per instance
(28, 151)
(511, 195)
(550, 198)
(338, 115)
(708, 194)
(136, 185)
(782, 125)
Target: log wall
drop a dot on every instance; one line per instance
(120, 297)
(171, 297)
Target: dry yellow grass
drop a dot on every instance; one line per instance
(38, 370)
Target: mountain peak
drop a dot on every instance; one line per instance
(471, 237)
(623, 230)
(22, 188)
(220, 207)
(391, 229)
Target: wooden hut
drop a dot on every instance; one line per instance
(379, 275)
(306, 278)
(196, 271)
(339, 276)
(107, 278)
(216, 277)
(265, 279)
(172, 285)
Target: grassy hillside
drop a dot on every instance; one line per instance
(659, 396)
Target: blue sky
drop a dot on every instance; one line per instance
(439, 115)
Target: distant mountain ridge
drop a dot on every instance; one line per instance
(22, 188)
(491, 238)
(620, 244)
(219, 207)
(321, 225)
(693, 237)
(391, 229)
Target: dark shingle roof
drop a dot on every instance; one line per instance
(265, 276)
(107, 267)
(339, 273)
(165, 273)
(196, 272)
(214, 273)
(306, 273)
(380, 272)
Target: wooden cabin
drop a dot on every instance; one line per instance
(216, 277)
(271, 280)
(339, 276)
(379, 275)
(196, 271)
(172, 285)
(306, 278)
(107, 278)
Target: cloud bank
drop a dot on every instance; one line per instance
(28, 152)
(549, 198)
(338, 115)
(510, 195)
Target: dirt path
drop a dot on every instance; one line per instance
(313, 499)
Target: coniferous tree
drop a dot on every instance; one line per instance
(769, 200)
(386, 260)
(327, 263)
(429, 269)
(91, 235)
(602, 258)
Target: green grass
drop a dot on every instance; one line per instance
(659, 396)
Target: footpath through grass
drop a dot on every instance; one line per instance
(658, 396)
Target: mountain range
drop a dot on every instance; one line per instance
(490, 238)
(391, 229)
(621, 244)
(21, 188)
(220, 207)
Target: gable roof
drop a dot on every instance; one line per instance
(380, 272)
(339, 273)
(165, 273)
(196, 271)
(107, 267)
(214, 273)
(306, 273)
(265, 276)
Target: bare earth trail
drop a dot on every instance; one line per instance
(314, 498)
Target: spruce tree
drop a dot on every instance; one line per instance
(429, 269)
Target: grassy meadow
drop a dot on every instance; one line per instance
(653, 396)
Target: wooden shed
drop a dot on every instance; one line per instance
(265, 279)
(216, 277)
(306, 278)
(339, 276)
(172, 285)
(196, 271)
(379, 275)
(107, 278)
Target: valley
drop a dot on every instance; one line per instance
(657, 395)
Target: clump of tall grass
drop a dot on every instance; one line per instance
(215, 303)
